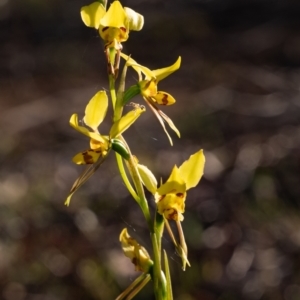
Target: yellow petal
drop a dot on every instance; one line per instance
(94, 144)
(160, 74)
(126, 121)
(148, 88)
(113, 36)
(129, 60)
(96, 110)
(85, 131)
(115, 16)
(171, 206)
(175, 184)
(137, 253)
(192, 169)
(148, 178)
(137, 67)
(135, 20)
(164, 98)
(92, 14)
(87, 157)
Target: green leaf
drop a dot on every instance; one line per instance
(168, 277)
(191, 170)
(148, 178)
(96, 110)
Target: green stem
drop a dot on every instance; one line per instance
(139, 188)
(120, 95)
(160, 288)
(138, 194)
(125, 178)
(112, 90)
(159, 229)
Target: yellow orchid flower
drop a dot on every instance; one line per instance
(137, 253)
(94, 114)
(113, 26)
(100, 145)
(147, 87)
(170, 196)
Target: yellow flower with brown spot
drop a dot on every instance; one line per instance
(170, 196)
(137, 253)
(114, 24)
(100, 145)
(94, 114)
(147, 87)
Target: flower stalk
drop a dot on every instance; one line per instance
(114, 23)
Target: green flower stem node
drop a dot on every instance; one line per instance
(120, 148)
(159, 228)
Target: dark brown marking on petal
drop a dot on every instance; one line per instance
(87, 158)
(180, 195)
(123, 29)
(165, 99)
(147, 85)
(134, 261)
(173, 215)
(104, 28)
(161, 198)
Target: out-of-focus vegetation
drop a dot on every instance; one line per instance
(237, 97)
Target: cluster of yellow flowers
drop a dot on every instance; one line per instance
(114, 26)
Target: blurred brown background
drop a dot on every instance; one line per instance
(238, 98)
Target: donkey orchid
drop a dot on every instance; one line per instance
(94, 114)
(114, 24)
(137, 253)
(170, 196)
(147, 87)
(100, 145)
